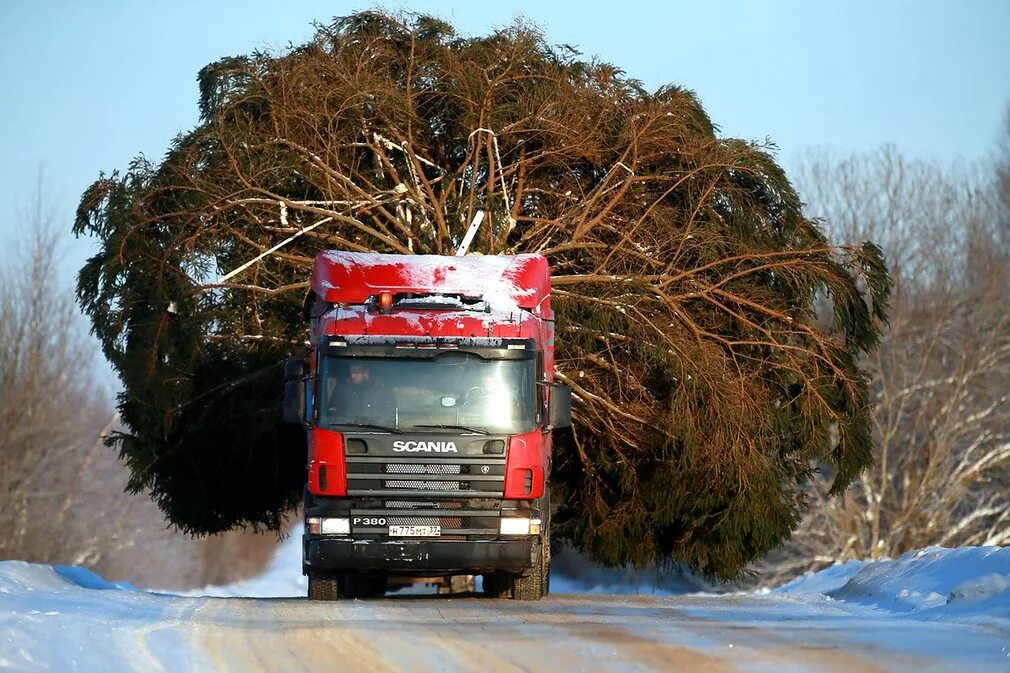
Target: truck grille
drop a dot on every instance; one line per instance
(461, 494)
(472, 476)
(425, 485)
(415, 521)
(410, 504)
(398, 468)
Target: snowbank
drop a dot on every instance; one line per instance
(967, 582)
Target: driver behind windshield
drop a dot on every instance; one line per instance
(353, 394)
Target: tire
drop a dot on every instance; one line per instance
(324, 586)
(536, 583)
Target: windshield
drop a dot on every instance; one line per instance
(459, 390)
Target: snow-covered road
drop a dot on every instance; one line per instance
(63, 620)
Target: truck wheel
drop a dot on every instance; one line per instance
(537, 584)
(324, 586)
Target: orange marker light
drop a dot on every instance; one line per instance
(386, 300)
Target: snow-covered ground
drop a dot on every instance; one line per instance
(935, 609)
(968, 584)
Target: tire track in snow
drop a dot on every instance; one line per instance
(284, 634)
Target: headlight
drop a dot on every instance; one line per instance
(519, 526)
(328, 526)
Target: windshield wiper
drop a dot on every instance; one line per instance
(374, 426)
(476, 431)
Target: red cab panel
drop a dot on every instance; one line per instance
(327, 467)
(526, 466)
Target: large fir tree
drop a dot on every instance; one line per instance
(686, 280)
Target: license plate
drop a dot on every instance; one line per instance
(415, 531)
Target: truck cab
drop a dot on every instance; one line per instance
(429, 401)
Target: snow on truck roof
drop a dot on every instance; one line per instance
(503, 282)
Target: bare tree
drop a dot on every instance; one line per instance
(50, 412)
(61, 489)
(942, 418)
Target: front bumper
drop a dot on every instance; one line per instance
(423, 557)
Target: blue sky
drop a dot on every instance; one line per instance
(88, 85)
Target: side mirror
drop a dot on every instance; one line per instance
(294, 392)
(559, 405)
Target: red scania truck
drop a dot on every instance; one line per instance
(429, 400)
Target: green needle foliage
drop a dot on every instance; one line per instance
(687, 280)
